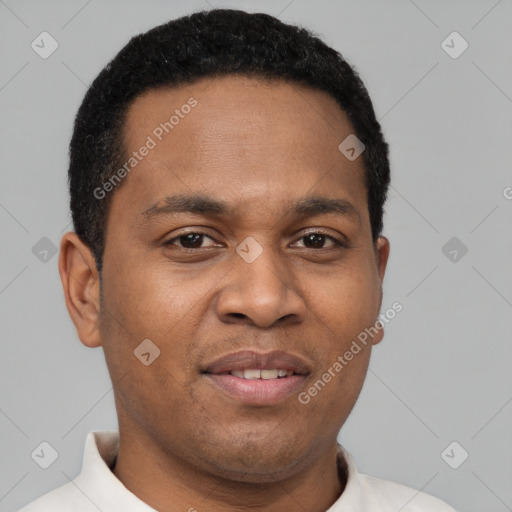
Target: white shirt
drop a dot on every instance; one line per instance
(97, 488)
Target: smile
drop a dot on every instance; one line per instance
(253, 378)
(262, 374)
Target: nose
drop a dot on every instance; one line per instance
(263, 293)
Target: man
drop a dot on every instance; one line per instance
(227, 178)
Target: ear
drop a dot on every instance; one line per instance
(81, 285)
(382, 247)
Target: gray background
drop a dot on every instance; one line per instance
(442, 373)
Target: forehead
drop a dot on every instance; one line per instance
(237, 105)
(239, 138)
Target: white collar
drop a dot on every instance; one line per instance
(106, 491)
(96, 479)
(97, 488)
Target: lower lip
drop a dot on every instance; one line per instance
(258, 391)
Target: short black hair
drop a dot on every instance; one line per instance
(210, 44)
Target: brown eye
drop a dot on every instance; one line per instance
(317, 240)
(193, 240)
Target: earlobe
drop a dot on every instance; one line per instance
(80, 283)
(380, 332)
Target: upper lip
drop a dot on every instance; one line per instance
(249, 359)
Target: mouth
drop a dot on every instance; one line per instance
(253, 378)
(265, 373)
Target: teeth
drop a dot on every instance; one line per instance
(252, 374)
(261, 374)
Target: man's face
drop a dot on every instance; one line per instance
(259, 148)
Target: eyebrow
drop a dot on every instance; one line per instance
(208, 206)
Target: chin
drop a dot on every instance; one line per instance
(257, 461)
(263, 473)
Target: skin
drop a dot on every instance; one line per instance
(256, 145)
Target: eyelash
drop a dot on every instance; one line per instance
(337, 243)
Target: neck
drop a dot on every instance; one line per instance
(169, 484)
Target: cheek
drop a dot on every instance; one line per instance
(345, 303)
(166, 307)
(141, 306)
(156, 398)
(152, 301)
(343, 307)
(331, 395)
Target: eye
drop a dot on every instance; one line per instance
(316, 240)
(194, 240)
(191, 240)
